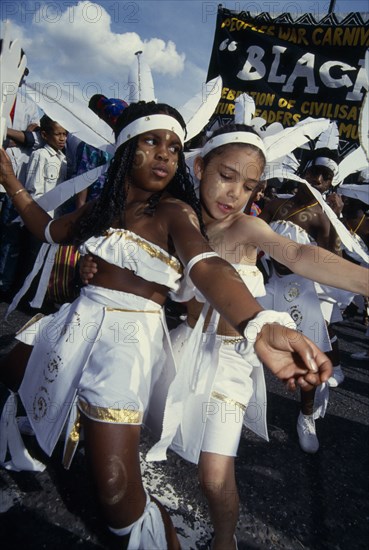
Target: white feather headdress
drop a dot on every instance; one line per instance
(278, 141)
(12, 64)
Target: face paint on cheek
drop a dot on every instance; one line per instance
(140, 159)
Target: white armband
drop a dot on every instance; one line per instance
(264, 317)
(253, 327)
(48, 237)
(197, 259)
(186, 289)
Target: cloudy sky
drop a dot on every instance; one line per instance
(89, 47)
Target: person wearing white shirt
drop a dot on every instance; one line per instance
(47, 168)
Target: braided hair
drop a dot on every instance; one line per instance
(110, 206)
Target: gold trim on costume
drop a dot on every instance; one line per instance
(72, 441)
(248, 273)
(115, 416)
(149, 248)
(31, 322)
(229, 341)
(133, 310)
(225, 399)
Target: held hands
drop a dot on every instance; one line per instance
(87, 269)
(292, 357)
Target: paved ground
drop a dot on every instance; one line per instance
(289, 500)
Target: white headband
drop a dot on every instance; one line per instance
(323, 161)
(233, 137)
(147, 123)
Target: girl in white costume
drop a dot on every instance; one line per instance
(220, 383)
(95, 361)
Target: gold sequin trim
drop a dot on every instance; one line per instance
(72, 441)
(115, 416)
(229, 341)
(225, 399)
(248, 273)
(150, 249)
(133, 310)
(31, 322)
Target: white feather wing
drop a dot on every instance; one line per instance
(352, 163)
(73, 114)
(198, 110)
(12, 69)
(244, 109)
(282, 143)
(329, 138)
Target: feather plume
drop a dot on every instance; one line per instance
(352, 163)
(278, 145)
(68, 188)
(244, 109)
(282, 168)
(140, 82)
(12, 69)
(198, 110)
(74, 115)
(329, 138)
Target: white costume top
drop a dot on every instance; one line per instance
(147, 260)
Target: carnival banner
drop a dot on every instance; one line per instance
(293, 69)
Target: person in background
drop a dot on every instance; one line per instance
(301, 218)
(47, 168)
(254, 206)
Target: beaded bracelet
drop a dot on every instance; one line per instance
(17, 193)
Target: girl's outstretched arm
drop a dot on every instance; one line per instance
(34, 217)
(288, 354)
(312, 262)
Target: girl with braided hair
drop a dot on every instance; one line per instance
(95, 362)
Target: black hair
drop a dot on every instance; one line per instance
(93, 102)
(231, 128)
(110, 206)
(312, 157)
(46, 124)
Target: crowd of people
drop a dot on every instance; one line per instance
(145, 237)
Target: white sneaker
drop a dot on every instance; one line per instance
(337, 377)
(360, 355)
(307, 434)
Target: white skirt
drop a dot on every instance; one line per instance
(219, 392)
(104, 352)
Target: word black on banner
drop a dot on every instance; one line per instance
(293, 69)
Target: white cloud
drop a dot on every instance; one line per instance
(80, 42)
